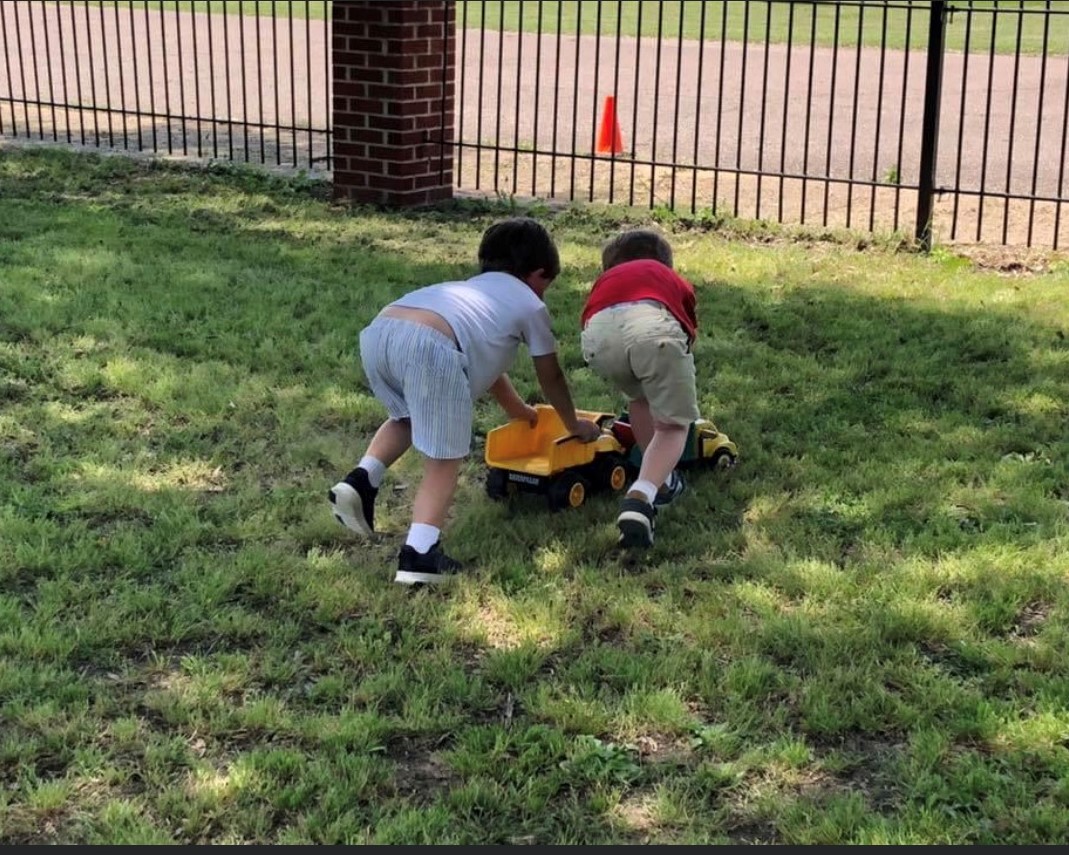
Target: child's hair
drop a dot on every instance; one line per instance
(635, 245)
(519, 246)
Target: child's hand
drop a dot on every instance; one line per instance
(586, 430)
(526, 413)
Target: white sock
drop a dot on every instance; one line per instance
(421, 537)
(646, 488)
(375, 470)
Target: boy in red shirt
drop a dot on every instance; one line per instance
(639, 324)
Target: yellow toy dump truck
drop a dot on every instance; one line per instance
(706, 447)
(547, 459)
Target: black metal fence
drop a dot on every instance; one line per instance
(874, 115)
(797, 112)
(240, 80)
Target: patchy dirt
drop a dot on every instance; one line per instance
(1013, 262)
(1030, 621)
(420, 774)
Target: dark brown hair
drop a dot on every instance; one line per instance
(635, 245)
(519, 246)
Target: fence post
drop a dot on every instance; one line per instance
(393, 73)
(933, 88)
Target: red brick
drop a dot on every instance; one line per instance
(344, 87)
(372, 106)
(436, 177)
(408, 13)
(393, 123)
(368, 165)
(349, 28)
(415, 169)
(394, 183)
(368, 46)
(349, 149)
(406, 46)
(351, 120)
(407, 78)
(345, 57)
(359, 12)
(430, 90)
(350, 179)
(432, 120)
(428, 60)
(390, 153)
(356, 66)
(407, 108)
(391, 31)
(406, 138)
(394, 93)
(365, 75)
(366, 135)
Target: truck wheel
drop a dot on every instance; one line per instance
(612, 472)
(568, 491)
(497, 485)
(721, 459)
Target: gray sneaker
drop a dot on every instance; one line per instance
(671, 490)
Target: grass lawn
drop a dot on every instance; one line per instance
(857, 636)
(738, 19)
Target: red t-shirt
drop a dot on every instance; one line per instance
(644, 279)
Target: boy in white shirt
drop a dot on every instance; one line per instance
(428, 356)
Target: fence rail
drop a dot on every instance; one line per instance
(234, 80)
(874, 115)
(802, 112)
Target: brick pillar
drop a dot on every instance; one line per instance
(393, 77)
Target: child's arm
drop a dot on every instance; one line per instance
(510, 401)
(555, 388)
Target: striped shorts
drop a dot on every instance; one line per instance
(418, 373)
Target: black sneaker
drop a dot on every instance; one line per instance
(636, 523)
(353, 502)
(414, 568)
(671, 490)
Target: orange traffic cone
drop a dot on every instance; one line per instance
(610, 140)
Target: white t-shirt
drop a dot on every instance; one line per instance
(490, 315)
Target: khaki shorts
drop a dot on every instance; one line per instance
(642, 350)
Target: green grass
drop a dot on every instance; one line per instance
(727, 19)
(739, 20)
(857, 636)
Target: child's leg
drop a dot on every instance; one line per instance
(433, 500)
(439, 399)
(391, 440)
(353, 498)
(659, 459)
(662, 362)
(638, 411)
